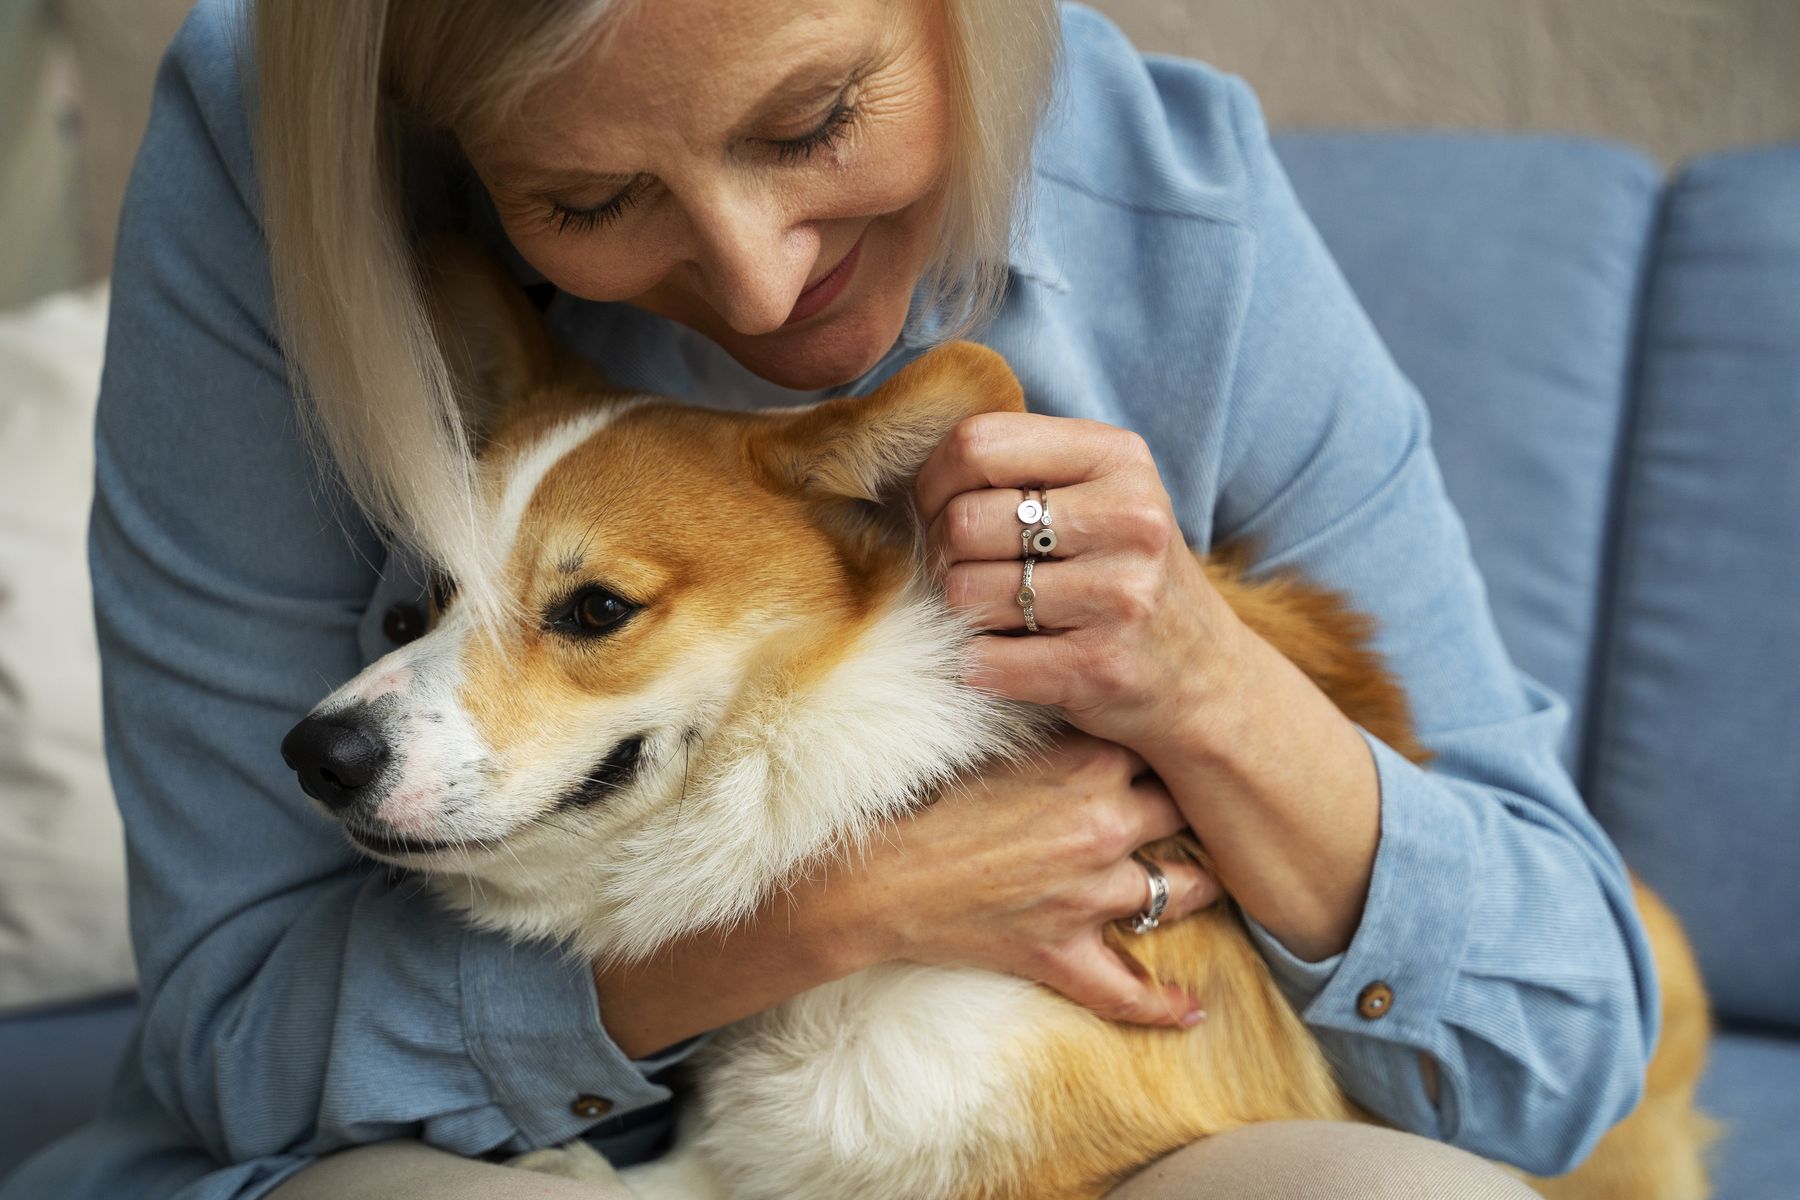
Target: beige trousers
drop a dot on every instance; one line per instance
(1286, 1160)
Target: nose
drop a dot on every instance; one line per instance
(335, 757)
(754, 260)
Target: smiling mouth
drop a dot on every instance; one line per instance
(817, 296)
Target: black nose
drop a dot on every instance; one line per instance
(335, 757)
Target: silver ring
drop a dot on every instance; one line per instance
(1147, 920)
(1027, 596)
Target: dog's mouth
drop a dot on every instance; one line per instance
(392, 845)
(613, 774)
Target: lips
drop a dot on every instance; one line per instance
(814, 299)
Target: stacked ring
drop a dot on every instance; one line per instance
(1036, 539)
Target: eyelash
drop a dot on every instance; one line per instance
(787, 150)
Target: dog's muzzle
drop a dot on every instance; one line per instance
(337, 757)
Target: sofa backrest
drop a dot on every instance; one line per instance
(1695, 761)
(1613, 374)
(1504, 274)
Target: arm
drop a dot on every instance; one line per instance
(292, 999)
(1496, 909)
(1479, 891)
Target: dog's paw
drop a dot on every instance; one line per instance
(571, 1160)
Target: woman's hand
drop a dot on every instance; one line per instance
(1132, 625)
(1018, 871)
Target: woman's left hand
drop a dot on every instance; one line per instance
(1132, 630)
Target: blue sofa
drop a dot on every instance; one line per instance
(1612, 362)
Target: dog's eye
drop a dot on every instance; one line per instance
(596, 610)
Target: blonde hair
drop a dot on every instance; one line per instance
(344, 86)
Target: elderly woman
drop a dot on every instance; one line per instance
(754, 203)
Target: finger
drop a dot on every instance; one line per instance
(1128, 890)
(987, 593)
(984, 525)
(1096, 978)
(1014, 450)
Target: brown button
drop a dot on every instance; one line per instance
(1373, 1002)
(590, 1108)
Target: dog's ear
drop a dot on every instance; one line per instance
(871, 448)
(493, 339)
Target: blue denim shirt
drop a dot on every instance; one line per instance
(297, 1000)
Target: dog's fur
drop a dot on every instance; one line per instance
(788, 685)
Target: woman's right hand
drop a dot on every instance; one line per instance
(1018, 870)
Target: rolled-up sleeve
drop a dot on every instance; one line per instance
(295, 999)
(1499, 938)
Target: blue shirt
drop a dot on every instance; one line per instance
(296, 999)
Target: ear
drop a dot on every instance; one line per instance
(871, 448)
(492, 337)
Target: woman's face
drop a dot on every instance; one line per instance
(768, 172)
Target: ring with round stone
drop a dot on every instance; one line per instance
(1027, 597)
(1037, 539)
(1031, 509)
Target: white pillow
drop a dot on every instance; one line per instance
(62, 871)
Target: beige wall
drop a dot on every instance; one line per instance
(1677, 77)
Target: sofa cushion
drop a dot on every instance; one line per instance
(58, 1066)
(1504, 273)
(62, 854)
(1697, 758)
(1749, 1087)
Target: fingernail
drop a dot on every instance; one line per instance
(1193, 1018)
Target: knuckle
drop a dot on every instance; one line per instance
(1145, 524)
(1106, 674)
(1133, 450)
(968, 439)
(1105, 833)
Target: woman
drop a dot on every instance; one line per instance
(752, 204)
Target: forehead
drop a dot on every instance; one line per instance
(692, 66)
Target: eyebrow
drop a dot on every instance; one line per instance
(816, 78)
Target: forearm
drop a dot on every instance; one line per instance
(1279, 787)
(710, 979)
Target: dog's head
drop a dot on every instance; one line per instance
(711, 659)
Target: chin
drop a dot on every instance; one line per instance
(829, 351)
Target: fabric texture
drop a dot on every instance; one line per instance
(1320, 1160)
(1506, 284)
(295, 1002)
(1696, 762)
(62, 873)
(1287, 1160)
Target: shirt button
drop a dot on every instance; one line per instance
(590, 1108)
(403, 623)
(1374, 1001)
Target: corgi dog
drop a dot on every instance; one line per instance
(715, 659)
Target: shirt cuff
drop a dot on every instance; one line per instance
(1416, 921)
(531, 1020)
